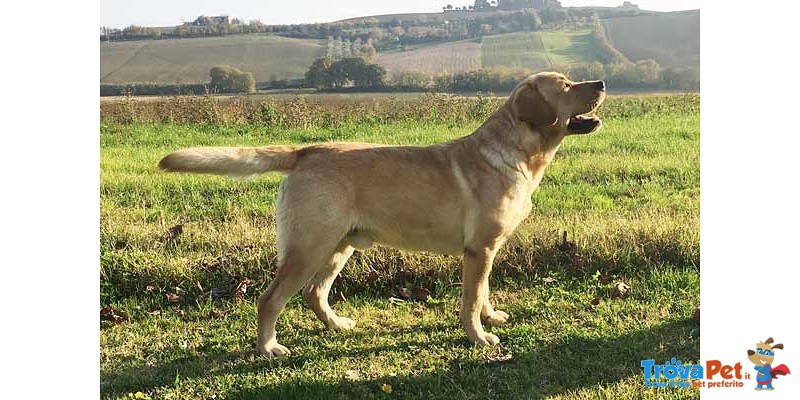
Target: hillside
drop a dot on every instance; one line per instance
(430, 17)
(433, 59)
(189, 60)
(672, 39)
(517, 42)
(537, 50)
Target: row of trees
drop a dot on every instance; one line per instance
(412, 29)
(645, 74)
(338, 48)
(606, 52)
(325, 73)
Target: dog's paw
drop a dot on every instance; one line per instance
(342, 324)
(496, 319)
(487, 339)
(274, 349)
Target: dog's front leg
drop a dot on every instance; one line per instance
(490, 316)
(475, 290)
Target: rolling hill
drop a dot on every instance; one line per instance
(672, 39)
(189, 60)
(537, 50)
(433, 59)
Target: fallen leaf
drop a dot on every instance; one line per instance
(372, 277)
(351, 375)
(595, 303)
(549, 280)
(150, 288)
(620, 290)
(173, 298)
(498, 358)
(421, 294)
(405, 293)
(219, 313)
(387, 388)
(696, 315)
(604, 278)
(155, 312)
(240, 289)
(174, 232)
(140, 396)
(113, 315)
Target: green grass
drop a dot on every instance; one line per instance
(672, 39)
(537, 50)
(189, 60)
(628, 197)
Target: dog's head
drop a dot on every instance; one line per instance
(764, 353)
(550, 101)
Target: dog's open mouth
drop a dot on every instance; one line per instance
(583, 123)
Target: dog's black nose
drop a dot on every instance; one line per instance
(750, 352)
(600, 85)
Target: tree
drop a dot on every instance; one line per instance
(318, 74)
(372, 75)
(587, 72)
(227, 79)
(325, 73)
(368, 52)
(411, 79)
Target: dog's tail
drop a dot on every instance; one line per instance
(232, 161)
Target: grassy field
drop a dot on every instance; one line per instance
(189, 60)
(628, 197)
(434, 59)
(537, 50)
(672, 39)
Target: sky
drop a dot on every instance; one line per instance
(122, 13)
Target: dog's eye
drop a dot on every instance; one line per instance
(567, 86)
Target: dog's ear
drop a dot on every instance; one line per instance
(530, 106)
(777, 346)
(768, 341)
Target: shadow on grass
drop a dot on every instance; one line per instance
(562, 365)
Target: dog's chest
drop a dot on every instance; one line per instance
(515, 206)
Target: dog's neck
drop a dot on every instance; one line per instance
(515, 147)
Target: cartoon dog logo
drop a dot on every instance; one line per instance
(763, 357)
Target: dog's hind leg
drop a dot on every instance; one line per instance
(294, 270)
(306, 241)
(317, 290)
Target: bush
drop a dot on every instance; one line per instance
(410, 80)
(227, 79)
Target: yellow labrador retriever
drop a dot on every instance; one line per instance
(465, 197)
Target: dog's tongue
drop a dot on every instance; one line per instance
(579, 118)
